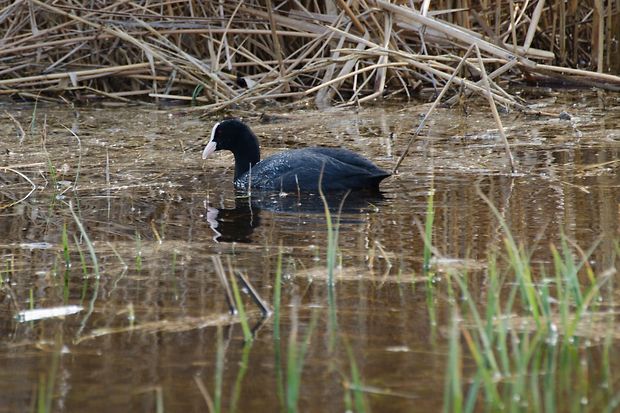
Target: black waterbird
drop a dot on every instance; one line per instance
(293, 170)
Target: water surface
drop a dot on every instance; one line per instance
(154, 320)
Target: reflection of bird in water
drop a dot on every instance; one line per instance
(211, 217)
(238, 224)
(305, 203)
(233, 225)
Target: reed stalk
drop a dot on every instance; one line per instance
(243, 51)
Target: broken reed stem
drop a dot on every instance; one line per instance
(344, 6)
(431, 109)
(258, 300)
(32, 189)
(205, 394)
(531, 31)
(600, 34)
(221, 274)
(79, 165)
(350, 74)
(104, 71)
(18, 125)
(500, 127)
(243, 318)
(276, 42)
(89, 244)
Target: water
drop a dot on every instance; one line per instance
(156, 213)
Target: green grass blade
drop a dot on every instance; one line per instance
(245, 326)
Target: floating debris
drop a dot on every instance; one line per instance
(36, 245)
(42, 313)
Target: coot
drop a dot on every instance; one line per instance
(293, 170)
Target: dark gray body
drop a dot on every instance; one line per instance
(294, 170)
(301, 169)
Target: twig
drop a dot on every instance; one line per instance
(23, 198)
(22, 132)
(430, 110)
(262, 304)
(219, 270)
(77, 173)
(500, 127)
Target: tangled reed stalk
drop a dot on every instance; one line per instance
(218, 53)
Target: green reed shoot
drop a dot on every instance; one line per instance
(332, 246)
(520, 263)
(332, 239)
(453, 394)
(67, 258)
(513, 366)
(480, 345)
(243, 368)
(47, 381)
(65, 246)
(426, 263)
(296, 354)
(277, 296)
(573, 298)
(356, 382)
(89, 244)
(84, 267)
(293, 369)
(606, 360)
(82, 256)
(428, 231)
(277, 303)
(243, 317)
(219, 371)
(196, 93)
(608, 377)
(93, 256)
(42, 403)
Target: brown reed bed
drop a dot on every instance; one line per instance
(216, 54)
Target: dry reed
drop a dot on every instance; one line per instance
(345, 51)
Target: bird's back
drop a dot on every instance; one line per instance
(301, 169)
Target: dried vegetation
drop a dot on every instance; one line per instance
(218, 53)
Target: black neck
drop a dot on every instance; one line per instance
(249, 156)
